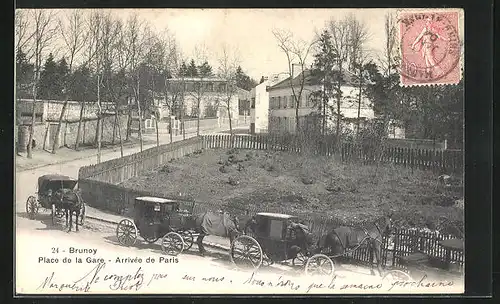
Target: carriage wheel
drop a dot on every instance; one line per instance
(188, 238)
(31, 207)
(59, 213)
(151, 239)
(54, 214)
(396, 275)
(319, 264)
(172, 243)
(300, 260)
(246, 252)
(82, 214)
(126, 232)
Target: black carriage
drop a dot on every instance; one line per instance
(47, 186)
(273, 237)
(156, 218)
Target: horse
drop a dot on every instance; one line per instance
(71, 202)
(210, 223)
(344, 238)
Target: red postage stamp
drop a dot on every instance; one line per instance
(430, 46)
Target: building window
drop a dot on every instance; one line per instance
(279, 102)
(271, 105)
(253, 103)
(285, 102)
(306, 100)
(292, 102)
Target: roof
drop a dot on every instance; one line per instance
(55, 177)
(285, 83)
(309, 80)
(276, 215)
(159, 200)
(55, 181)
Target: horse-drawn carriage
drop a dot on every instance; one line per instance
(274, 237)
(156, 218)
(48, 186)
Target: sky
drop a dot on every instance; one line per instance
(248, 32)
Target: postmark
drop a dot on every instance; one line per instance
(430, 47)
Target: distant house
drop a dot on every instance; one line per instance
(212, 103)
(282, 104)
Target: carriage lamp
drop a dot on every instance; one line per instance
(157, 207)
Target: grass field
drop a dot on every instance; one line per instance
(306, 185)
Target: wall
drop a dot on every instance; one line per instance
(349, 107)
(259, 114)
(38, 136)
(51, 109)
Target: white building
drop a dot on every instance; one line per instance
(212, 93)
(282, 112)
(259, 105)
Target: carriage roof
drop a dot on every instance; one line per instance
(156, 200)
(55, 182)
(276, 215)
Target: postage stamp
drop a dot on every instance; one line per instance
(430, 47)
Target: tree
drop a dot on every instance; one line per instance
(192, 69)
(49, 78)
(244, 81)
(325, 73)
(43, 33)
(205, 70)
(74, 40)
(228, 70)
(296, 52)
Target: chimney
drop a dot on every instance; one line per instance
(296, 70)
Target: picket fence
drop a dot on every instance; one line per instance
(425, 159)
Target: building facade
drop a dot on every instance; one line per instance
(212, 93)
(282, 104)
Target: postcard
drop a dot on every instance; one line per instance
(239, 151)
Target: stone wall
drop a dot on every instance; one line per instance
(43, 132)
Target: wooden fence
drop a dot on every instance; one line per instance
(119, 170)
(427, 159)
(407, 241)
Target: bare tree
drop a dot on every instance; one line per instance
(22, 31)
(44, 31)
(200, 86)
(227, 70)
(340, 36)
(93, 44)
(172, 91)
(297, 52)
(74, 40)
(136, 36)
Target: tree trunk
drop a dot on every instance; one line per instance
(114, 129)
(170, 129)
(140, 114)
(157, 135)
(198, 118)
(297, 102)
(119, 132)
(33, 118)
(98, 127)
(129, 123)
(230, 123)
(79, 131)
(359, 104)
(182, 118)
(58, 130)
